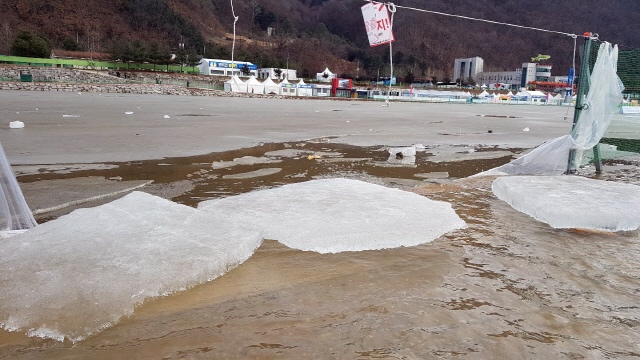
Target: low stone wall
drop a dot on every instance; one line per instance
(126, 89)
(150, 77)
(53, 74)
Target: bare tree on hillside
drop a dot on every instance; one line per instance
(6, 35)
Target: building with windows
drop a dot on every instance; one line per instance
(271, 73)
(511, 78)
(466, 69)
(226, 68)
(519, 78)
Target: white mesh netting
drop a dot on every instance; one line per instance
(601, 103)
(14, 212)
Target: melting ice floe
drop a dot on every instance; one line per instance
(573, 201)
(78, 274)
(335, 215)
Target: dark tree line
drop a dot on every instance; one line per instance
(156, 15)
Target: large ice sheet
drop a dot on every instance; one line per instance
(573, 201)
(335, 215)
(78, 274)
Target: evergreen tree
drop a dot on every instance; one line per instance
(29, 44)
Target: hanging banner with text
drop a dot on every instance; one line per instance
(377, 23)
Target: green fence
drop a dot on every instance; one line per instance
(66, 63)
(629, 72)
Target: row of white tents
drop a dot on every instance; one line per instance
(253, 86)
(527, 95)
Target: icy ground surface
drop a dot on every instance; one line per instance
(336, 215)
(76, 275)
(573, 201)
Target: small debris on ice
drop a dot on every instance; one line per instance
(167, 117)
(70, 116)
(128, 112)
(525, 129)
(16, 125)
(400, 152)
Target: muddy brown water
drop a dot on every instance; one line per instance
(507, 287)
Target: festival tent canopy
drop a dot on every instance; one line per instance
(254, 86)
(287, 88)
(270, 87)
(304, 89)
(235, 85)
(532, 94)
(484, 94)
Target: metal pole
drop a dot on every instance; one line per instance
(583, 88)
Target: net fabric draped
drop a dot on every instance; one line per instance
(602, 101)
(14, 211)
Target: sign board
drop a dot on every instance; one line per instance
(230, 65)
(344, 84)
(377, 23)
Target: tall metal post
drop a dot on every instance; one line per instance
(583, 88)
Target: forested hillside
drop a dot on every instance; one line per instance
(314, 34)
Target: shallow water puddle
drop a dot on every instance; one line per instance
(191, 180)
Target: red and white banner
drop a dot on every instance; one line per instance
(377, 23)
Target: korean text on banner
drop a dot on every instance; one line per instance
(377, 23)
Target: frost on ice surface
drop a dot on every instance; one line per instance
(76, 275)
(572, 201)
(335, 215)
(245, 160)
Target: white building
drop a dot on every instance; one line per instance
(465, 69)
(270, 73)
(519, 78)
(226, 68)
(326, 75)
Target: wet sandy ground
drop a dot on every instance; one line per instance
(507, 287)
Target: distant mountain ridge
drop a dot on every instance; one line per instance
(314, 34)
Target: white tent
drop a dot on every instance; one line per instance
(235, 85)
(304, 89)
(532, 94)
(270, 87)
(254, 86)
(287, 88)
(509, 93)
(484, 94)
(326, 75)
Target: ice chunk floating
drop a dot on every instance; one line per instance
(335, 215)
(76, 275)
(573, 201)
